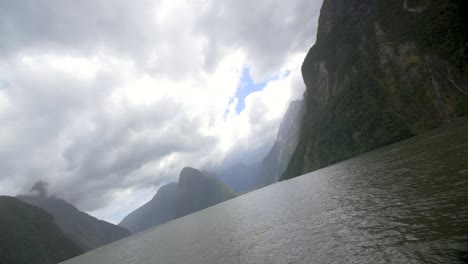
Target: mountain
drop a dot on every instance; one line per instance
(29, 235)
(380, 71)
(87, 231)
(241, 178)
(276, 161)
(195, 191)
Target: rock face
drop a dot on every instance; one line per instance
(195, 191)
(243, 178)
(276, 161)
(29, 235)
(85, 230)
(380, 71)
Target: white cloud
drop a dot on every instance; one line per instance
(110, 107)
(4, 103)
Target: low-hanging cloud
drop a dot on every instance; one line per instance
(107, 100)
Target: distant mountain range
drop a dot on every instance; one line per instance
(196, 190)
(29, 234)
(380, 72)
(85, 230)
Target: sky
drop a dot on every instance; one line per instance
(107, 100)
(245, 87)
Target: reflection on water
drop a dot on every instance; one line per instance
(405, 203)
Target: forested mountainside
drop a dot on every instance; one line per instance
(28, 234)
(85, 230)
(380, 71)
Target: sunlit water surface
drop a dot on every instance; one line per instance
(405, 203)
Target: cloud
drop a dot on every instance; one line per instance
(82, 27)
(107, 100)
(252, 132)
(270, 31)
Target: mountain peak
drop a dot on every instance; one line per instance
(85, 230)
(40, 188)
(196, 190)
(189, 176)
(188, 171)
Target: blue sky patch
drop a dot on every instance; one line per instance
(4, 84)
(246, 87)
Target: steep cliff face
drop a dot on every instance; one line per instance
(380, 71)
(276, 161)
(195, 191)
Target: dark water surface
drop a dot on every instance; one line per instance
(405, 203)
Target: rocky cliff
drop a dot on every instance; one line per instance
(195, 191)
(380, 71)
(277, 159)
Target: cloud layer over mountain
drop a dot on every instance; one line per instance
(106, 100)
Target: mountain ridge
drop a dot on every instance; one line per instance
(196, 190)
(86, 230)
(30, 235)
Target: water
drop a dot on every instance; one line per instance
(405, 203)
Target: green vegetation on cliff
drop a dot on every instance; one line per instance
(381, 71)
(29, 235)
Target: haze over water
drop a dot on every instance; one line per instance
(404, 203)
